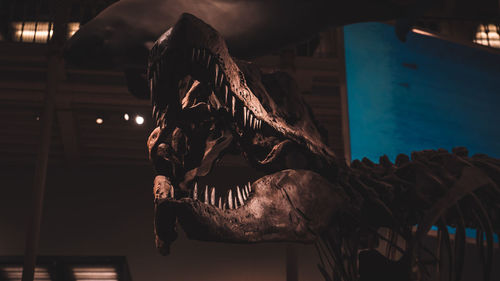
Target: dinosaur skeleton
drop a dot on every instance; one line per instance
(208, 105)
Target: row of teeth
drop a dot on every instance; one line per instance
(203, 58)
(230, 202)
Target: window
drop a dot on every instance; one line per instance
(15, 272)
(94, 273)
(64, 268)
(38, 32)
(488, 35)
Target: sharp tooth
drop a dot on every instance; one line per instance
(212, 196)
(192, 55)
(195, 191)
(225, 92)
(249, 187)
(240, 197)
(246, 190)
(224, 206)
(235, 203)
(153, 112)
(208, 59)
(172, 192)
(216, 74)
(157, 115)
(244, 116)
(215, 100)
(163, 121)
(220, 203)
(220, 79)
(206, 194)
(230, 199)
(202, 59)
(197, 54)
(251, 120)
(244, 194)
(234, 105)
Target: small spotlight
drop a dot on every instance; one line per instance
(99, 120)
(126, 117)
(37, 118)
(139, 120)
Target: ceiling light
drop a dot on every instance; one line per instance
(139, 120)
(38, 31)
(95, 273)
(16, 272)
(126, 117)
(99, 120)
(72, 28)
(488, 35)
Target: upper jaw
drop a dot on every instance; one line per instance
(194, 48)
(191, 40)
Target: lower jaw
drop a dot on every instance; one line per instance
(270, 215)
(206, 222)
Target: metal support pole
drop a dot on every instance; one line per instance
(33, 228)
(54, 74)
(292, 264)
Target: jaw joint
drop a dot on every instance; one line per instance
(163, 188)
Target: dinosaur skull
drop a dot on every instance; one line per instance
(209, 106)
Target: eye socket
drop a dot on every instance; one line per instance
(214, 133)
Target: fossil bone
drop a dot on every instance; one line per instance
(307, 194)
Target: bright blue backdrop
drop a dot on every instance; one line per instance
(423, 94)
